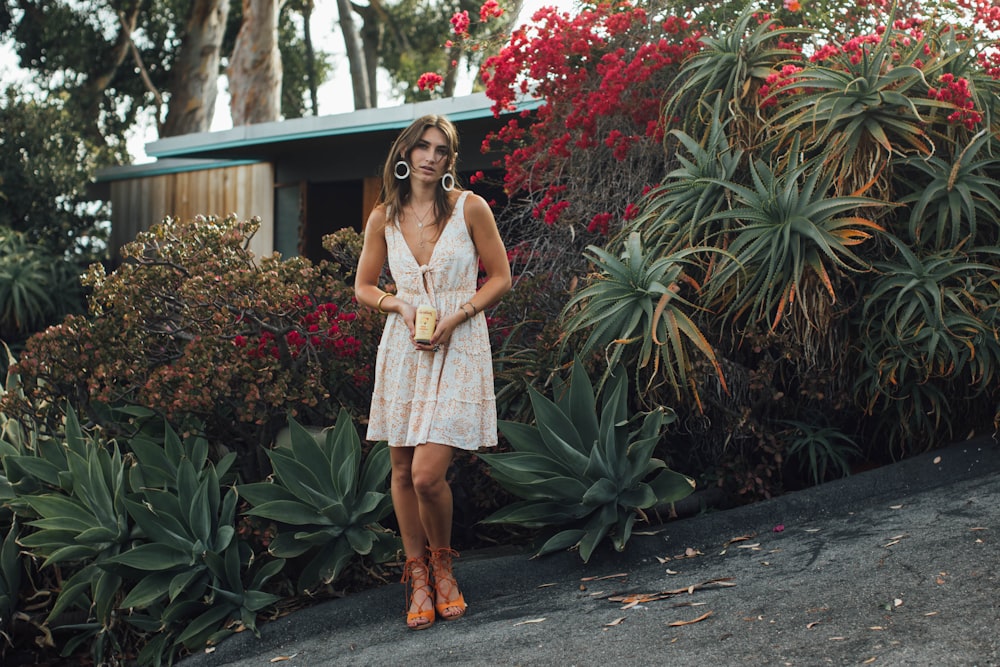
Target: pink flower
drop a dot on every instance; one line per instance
(793, 5)
(779, 528)
(429, 81)
(490, 9)
(460, 23)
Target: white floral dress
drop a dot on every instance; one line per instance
(447, 396)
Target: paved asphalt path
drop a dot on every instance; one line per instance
(895, 566)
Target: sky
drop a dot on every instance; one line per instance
(334, 96)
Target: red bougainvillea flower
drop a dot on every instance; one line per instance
(460, 23)
(490, 9)
(429, 81)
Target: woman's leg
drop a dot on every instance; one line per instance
(416, 572)
(429, 470)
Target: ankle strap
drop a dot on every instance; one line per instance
(411, 565)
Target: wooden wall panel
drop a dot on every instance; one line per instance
(246, 190)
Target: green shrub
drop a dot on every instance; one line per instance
(191, 325)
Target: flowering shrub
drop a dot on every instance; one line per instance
(594, 143)
(193, 326)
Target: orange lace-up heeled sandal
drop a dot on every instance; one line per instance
(419, 594)
(446, 594)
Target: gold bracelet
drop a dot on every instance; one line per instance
(382, 298)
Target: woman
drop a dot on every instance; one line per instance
(431, 397)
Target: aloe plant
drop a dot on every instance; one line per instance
(326, 503)
(636, 298)
(820, 450)
(673, 213)
(952, 200)
(789, 235)
(590, 474)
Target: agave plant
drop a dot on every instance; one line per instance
(635, 298)
(950, 200)
(592, 475)
(81, 520)
(188, 573)
(326, 504)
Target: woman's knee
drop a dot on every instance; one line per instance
(428, 483)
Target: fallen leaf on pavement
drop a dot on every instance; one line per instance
(837, 639)
(617, 621)
(672, 571)
(607, 576)
(897, 603)
(876, 627)
(755, 545)
(546, 585)
(869, 661)
(931, 613)
(282, 658)
(895, 507)
(812, 530)
(675, 624)
(810, 626)
(742, 538)
(533, 620)
(979, 528)
(637, 598)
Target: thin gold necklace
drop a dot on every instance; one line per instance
(420, 222)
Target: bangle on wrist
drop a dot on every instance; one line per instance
(475, 311)
(382, 298)
(465, 312)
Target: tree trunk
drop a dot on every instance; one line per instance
(307, 9)
(363, 95)
(255, 67)
(195, 75)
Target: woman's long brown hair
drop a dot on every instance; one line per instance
(395, 192)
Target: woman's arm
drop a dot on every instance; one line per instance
(492, 252)
(373, 256)
(483, 229)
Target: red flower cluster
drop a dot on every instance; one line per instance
(429, 81)
(318, 329)
(956, 91)
(778, 82)
(460, 23)
(595, 96)
(490, 10)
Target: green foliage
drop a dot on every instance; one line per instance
(191, 325)
(37, 288)
(782, 226)
(326, 504)
(636, 299)
(45, 169)
(954, 198)
(590, 474)
(822, 451)
(146, 542)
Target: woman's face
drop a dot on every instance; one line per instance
(429, 157)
